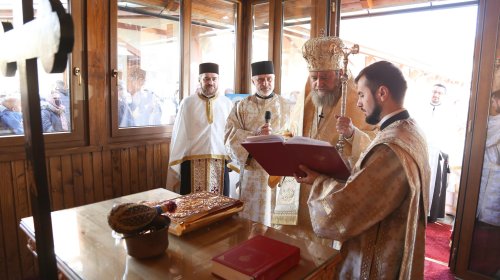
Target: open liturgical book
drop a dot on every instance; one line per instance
(280, 157)
(258, 258)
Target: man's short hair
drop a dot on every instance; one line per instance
(441, 86)
(384, 73)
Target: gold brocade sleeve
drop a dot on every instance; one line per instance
(341, 211)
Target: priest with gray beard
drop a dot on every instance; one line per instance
(317, 115)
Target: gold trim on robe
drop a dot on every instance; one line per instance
(198, 136)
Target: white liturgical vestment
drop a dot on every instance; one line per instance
(198, 134)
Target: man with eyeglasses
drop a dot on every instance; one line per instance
(249, 118)
(197, 145)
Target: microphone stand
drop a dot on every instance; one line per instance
(344, 78)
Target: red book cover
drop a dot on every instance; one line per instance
(258, 258)
(282, 158)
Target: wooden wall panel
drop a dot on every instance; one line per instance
(9, 222)
(97, 176)
(107, 171)
(23, 209)
(87, 177)
(67, 182)
(75, 179)
(134, 170)
(55, 182)
(76, 161)
(4, 169)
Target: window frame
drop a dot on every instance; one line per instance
(122, 134)
(78, 134)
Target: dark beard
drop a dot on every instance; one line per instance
(374, 117)
(330, 99)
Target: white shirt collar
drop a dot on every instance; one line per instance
(386, 117)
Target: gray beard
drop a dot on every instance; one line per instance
(330, 99)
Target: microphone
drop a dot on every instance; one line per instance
(267, 116)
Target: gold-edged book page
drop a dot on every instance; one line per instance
(199, 209)
(184, 227)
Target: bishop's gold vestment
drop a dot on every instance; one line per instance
(379, 215)
(306, 115)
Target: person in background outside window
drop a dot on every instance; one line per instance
(53, 114)
(197, 152)
(125, 118)
(11, 117)
(248, 119)
(378, 216)
(65, 98)
(488, 209)
(145, 105)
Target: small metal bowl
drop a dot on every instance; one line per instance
(151, 242)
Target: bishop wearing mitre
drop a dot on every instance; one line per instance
(318, 115)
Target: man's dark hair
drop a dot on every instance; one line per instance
(384, 73)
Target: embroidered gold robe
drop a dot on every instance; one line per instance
(379, 215)
(198, 136)
(245, 118)
(306, 115)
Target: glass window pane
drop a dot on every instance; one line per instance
(485, 249)
(148, 58)
(296, 31)
(54, 89)
(213, 39)
(260, 33)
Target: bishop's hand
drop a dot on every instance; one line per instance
(344, 126)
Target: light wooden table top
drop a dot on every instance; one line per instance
(87, 249)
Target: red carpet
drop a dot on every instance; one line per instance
(437, 252)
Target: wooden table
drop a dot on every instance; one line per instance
(86, 247)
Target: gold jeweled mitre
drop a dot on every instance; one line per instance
(323, 53)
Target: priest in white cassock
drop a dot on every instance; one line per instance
(317, 115)
(248, 119)
(197, 152)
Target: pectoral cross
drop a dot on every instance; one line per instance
(50, 38)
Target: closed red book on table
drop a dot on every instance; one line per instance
(257, 258)
(282, 158)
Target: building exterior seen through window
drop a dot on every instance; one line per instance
(260, 33)
(213, 39)
(148, 58)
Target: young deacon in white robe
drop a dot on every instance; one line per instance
(197, 152)
(318, 117)
(248, 119)
(379, 215)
